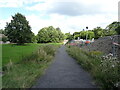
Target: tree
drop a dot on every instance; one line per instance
(1, 31)
(50, 35)
(4, 39)
(68, 36)
(98, 32)
(83, 34)
(61, 36)
(111, 29)
(91, 34)
(76, 35)
(18, 30)
(34, 38)
(118, 30)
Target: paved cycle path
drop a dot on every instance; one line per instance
(65, 72)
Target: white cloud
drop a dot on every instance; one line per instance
(17, 3)
(76, 7)
(67, 24)
(70, 24)
(75, 17)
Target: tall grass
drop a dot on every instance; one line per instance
(105, 69)
(24, 73)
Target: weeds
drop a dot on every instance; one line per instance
(105, 69)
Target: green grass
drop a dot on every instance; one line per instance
(25, 73)
(16, 53)
(105, 71)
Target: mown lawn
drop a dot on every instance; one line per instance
(16, 53)
(29, 68)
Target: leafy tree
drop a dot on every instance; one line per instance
(90, 34)
(50, 34)
(18, 30)
(76, 35)
(4, 39)
(98, 32)
(42, 36)
(118, 30)
(1, 31)
(111, 29)
(83, 34)
(68, 36)
(61, 36)
(34, 38)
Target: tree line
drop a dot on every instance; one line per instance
(19, 31)
(111, 29)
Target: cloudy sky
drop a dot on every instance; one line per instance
(70, 15)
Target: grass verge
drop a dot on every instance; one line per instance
(24, 73)
(104, 69)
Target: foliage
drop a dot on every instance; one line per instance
(50, 35)
(34, 38)
(98, 32)
(83, 34)
(90, 34)
(111, 29)
(1, 31)
(116, 26)
(76, 35)
(18, 30)
(118, 30)
(105, 69)
(68, 36)
(4, 39)
(25, 73)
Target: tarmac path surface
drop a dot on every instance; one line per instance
(65, 72)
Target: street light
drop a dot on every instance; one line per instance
(86, 33)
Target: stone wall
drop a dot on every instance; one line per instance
(105, 44)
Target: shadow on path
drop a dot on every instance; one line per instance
(64, 72)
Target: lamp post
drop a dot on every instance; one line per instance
(86, 33)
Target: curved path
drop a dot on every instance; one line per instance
(64, 72)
